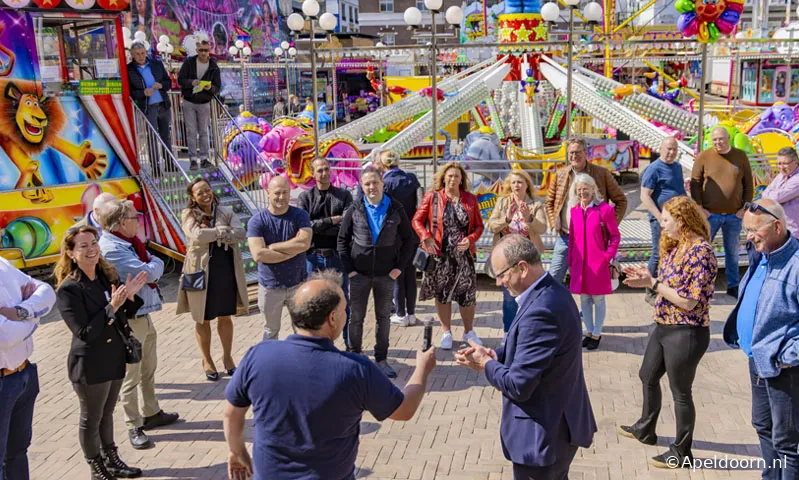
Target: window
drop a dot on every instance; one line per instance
(386, 5)
(355, 17)
(420, 5)
(389, 39)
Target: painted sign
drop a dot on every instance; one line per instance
(100, 87)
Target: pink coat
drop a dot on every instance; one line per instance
(589, 256)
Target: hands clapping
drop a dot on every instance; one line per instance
(127, 290)
(475, 356)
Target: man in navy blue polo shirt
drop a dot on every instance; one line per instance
(308, 397)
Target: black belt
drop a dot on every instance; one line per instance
(323, 252)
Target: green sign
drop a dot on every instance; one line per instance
(100, 87)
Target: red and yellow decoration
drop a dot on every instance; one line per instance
(522, 27)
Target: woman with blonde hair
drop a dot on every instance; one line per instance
(684, 288)
(449, 224)
(96, 307)
(517, 211)
(403, 187)
(213, 233)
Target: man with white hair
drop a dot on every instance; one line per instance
(721, 183)
(784, 189)
(149, 88)
(662, 181)
(765, 325)
(90, 219)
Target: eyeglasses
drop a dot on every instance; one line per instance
(501, 274)
(753, 207)
(203, 50)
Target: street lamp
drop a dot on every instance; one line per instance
(165, 49)
(241, 53)
(286, 53)
(413, 18)
(550, 13)
(327, 22)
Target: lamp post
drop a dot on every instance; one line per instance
(327, 22)
(413, 18)
(165, 49)
(550, 12)
(241, 53)
(285, 53)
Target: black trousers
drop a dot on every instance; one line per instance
(557, 471)
(383, 290)
(674, 350)
(97, 402)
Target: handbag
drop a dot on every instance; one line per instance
(615, 266)
(195, 281)
(423, 261)
(133, 349)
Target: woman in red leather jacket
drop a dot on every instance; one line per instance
(452, 236)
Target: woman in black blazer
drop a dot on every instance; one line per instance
(95, 307)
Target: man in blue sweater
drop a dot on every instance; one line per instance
(765, 325)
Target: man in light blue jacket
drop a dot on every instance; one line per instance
(765, 325)
(127, 253)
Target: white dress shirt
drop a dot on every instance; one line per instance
(16, 337)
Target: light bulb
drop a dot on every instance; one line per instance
(163, 39)
(593, 12)
(239, 44)
(292, 51)
(247, 51)
(434, 5)
(140, 36)
(412, 16)
(295, 22)
(170, 49)
(310, 8)
(284, 45)
(550, 12)
(328, 21)
(233, 50)
(161, 48)
(454, 15)
(278, 51)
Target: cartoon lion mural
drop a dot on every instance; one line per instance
(30, 122)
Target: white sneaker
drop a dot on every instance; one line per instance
(472, 336)
(446, 341)
(399, 321)
(411, 319)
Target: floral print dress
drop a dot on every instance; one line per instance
(455, 274)
(693, 276)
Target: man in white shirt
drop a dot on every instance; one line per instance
(23, 301)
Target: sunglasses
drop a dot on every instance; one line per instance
(753, 207)
(203, 50)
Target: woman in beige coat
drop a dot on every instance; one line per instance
(517, 212)
(213, 233)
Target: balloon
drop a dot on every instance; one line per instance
(685, 6)
(724, 27)
(735, 7)
(687, 24)
(730, 16)
(713, 32)
(702, 34)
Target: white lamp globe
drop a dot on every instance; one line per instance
(379, 44)
(126, 32)
(571, 3)
(163, 39)
(170, 49)
(593, 12)
(128, 43)
(278, 51)
(161, 48)
(550, 12)
(140, 36)
(292, 51)
(434, 5)
(284, 45)
(247, 51)
(328, 21)
(239, 44)
(454, 15)
(310, 8)
(233, 50)
(295, 22)
(412, 16)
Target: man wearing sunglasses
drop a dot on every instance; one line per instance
(785, 188)
(721, 182)
(197, 100)
(765, 325)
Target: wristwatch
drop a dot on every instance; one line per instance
(22, 313)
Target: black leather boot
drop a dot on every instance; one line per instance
(116, 466)
(99, 472)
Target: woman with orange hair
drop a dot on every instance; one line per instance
(448, 223)
(684, 288)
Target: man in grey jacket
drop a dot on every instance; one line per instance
(765, 325)
(126, 252)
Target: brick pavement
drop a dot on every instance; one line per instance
(455, 434)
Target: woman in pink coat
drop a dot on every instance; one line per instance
(593, 242)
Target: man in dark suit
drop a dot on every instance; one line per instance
(546, 412)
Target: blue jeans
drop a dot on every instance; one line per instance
(405, 292)
(775, 410)
(509, 309)
(18, 393)
(654, 227)
(560, 258)
(593, 307)
(315, 262)
(730, 226)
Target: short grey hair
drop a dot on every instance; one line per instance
(789, 152)
(110, 215)
(137, 44)
(577, 141)
(519, 248)
(328, 275)
(585, 179)
(776, 209)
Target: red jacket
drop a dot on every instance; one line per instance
(422, 220)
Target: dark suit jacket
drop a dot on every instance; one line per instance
(540, 375)
(138, 86)
(97, 354)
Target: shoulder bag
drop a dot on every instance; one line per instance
(195, 281)
(423, 261)
(133, 349)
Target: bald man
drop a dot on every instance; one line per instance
(278, 238)
(765, 325)
(308, 397)
(721, 183)
(89, 219)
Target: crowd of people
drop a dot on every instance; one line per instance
(323, 258)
